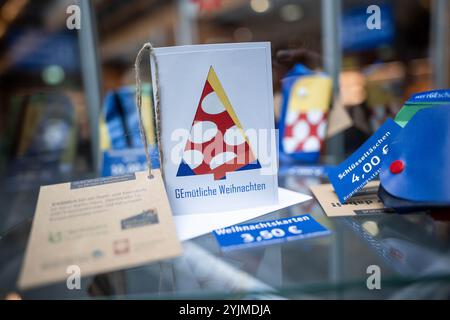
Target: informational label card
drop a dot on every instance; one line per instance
(97, 226)
(217, 126)
(364, 202)
(269, 232)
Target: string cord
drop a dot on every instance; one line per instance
(147, 47)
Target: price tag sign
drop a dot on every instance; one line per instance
(364, 165)
(269, 232)
(124, 161)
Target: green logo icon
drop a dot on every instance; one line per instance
(55, 237)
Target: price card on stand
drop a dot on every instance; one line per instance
(364, 165)
(269, 232)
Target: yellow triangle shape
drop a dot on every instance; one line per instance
(218, 89)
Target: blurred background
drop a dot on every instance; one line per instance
(57, 82)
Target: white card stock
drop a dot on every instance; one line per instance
(217, 126)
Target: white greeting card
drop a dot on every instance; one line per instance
(217, 126)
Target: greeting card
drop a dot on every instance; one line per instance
(217, 126)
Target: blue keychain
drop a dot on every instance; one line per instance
(417, 167)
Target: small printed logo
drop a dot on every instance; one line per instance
(97, 254)
(55, 237)
(397, 254)
(148, 217)
(121, 247)
(73, 281)
(374, 280)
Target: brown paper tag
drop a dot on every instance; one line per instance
(339, 120)
(97, 226)
(365, 201)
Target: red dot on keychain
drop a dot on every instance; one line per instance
(397, 166)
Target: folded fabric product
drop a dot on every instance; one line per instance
(415, 175)
(304, 114)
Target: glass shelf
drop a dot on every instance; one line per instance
(412, 252)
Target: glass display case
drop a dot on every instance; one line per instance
(411, 252)
(55, 83)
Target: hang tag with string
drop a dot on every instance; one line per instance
(89, 227)
(217, 155)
